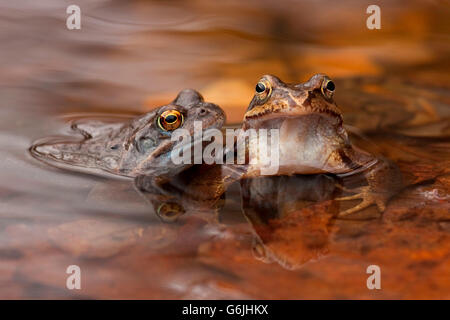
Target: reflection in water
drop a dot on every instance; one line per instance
(291, 216)
(197, 189)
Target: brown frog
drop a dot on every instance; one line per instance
(140, 146)
(313, 140)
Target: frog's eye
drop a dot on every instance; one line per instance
(170, 120)
(328, 88)
(263, 89)
(260, 87)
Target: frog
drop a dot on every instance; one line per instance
(313, 139)
(141, 145)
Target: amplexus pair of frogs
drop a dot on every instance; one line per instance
(312, 140)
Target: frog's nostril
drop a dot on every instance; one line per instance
(202, 111)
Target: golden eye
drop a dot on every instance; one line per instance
(263, 89)
(170, 120)
(328, 88)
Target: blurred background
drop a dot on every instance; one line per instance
(133, 55)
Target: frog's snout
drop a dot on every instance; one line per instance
(46, 150)
(67, 151)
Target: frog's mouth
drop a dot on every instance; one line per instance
(69, 153)
(274, 119)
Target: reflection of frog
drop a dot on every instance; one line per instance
(290, 228)
(140, 146)
(312, 138)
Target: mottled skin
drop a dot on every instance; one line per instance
(138, 147)
(313, 139)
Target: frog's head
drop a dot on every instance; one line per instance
(275, 99)
(150, 143)
(308, 123)
(141, 146)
